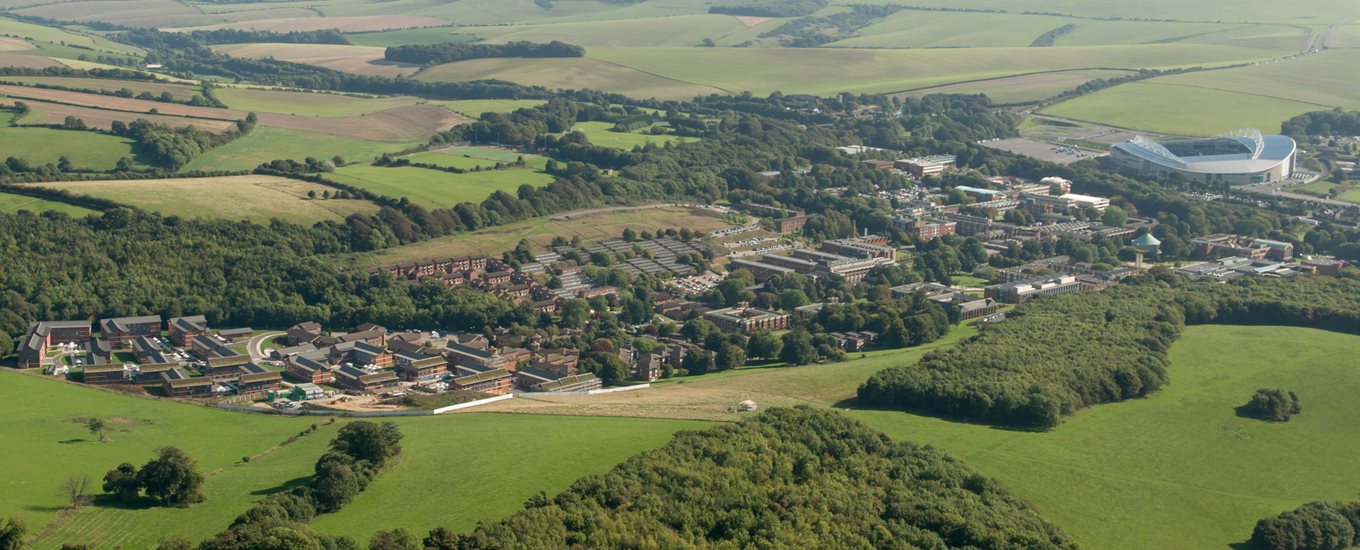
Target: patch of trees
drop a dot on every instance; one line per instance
(170, 479)
(176, 147)
(1313, 526)
(813, 31)
(1272, 404)
(1048, 38)
(1027, 372)
(1336, 122)
(785, 478)
(449, 52)
(767, 8)
(357, 455)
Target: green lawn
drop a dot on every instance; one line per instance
(1182, 110)
(475, 107)
(461, 469)
(44, 444)
(11, 203)
(267, 143)
(307, 103)
(436, 189)
(1180, 469)
(599, 133)
(39, 146)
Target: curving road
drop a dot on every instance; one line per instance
(254, 345)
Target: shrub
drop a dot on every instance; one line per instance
(1272, 404)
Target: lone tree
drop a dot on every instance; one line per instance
(98, 428)
(122, 481)
(12, 533)
(172, 478)
(1272, 404)
(76, 489)
(368, 441)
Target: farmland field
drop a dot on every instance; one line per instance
(307, 103)
(540, 232)
(684, 30)
(85, 149)
(365, 23)
(1319, 12)
(569, 73)
(267, 143)
(181, 92)
(599, 133)
(1326, 79)
(436, 189)
(11, 203)
(468, 158)
(117, 103)
(42, 35)
(1182, 110)
(43, 416)
(351, 59)
(1021, 89)
(43, 113)
(475, 107)
(430, 35)
(257, 198)
(1176, 470)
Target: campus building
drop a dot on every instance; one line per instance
(1238, 157)
(746, 319)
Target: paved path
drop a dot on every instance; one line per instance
(255, 344)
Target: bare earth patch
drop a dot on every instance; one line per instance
(8, 44)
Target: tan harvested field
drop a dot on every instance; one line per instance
(367, 60)
(179, 91)
(44, 113)
(118, 103)
(355, 23)
(9, 44)
(751, 20)
(27, 61)
(540, 232)
(257, 198)
(411, 123)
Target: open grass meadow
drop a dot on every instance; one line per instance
(1181, 110)
(436, 189)
(1021, 89)
(268, 143)
(181, 92)
(430, 35)
(302, 103)
(256, 198)
(600, 133)
(461, 469)
(1266, 11)
(680, 30)
(468, 158)
(10, 203)
(45, 443)
(52, 37)
(540, 232)
(1176, 470)
(46, 145)
(1327, 79)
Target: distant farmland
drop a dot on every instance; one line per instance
(351, 59)
(599, 133)
(257, 198)
(268, 143)
(86, 150)
(436, 189)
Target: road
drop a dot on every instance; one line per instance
(255, 344)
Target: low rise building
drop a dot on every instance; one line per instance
(746, 319)
(121, 331)
(105, 374)
(1019, 292)
(366, 381)
(184, 329)
(926, 166)
(176, 383)
(33, 346)
(303, 333)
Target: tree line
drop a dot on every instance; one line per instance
(767, 8)
(449, 52)
(1044, 362)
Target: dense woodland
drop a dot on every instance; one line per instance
(449, 52)
(1313, 526)
(799, 477)
(1046, 360)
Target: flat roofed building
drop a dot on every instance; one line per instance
(1019, 292)
(1223, 245)
(926, 166)
(746, 319)
(761, 270)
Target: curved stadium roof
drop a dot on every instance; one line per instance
(1235, 152)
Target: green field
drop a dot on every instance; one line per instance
(1182, 110)
(307, 103)
(599, 133)
(267, 143)
(1327, 79)
(1024, 88)
(680, 73)
(1180, 469)
(181, 92)
(44, 444)
(433, 35)
(468, 158)
(253, 197)
(52, 40)
(475, 107)
(461, 469)
(1261, 11)
(682, 30)
(40, 146)
(11, 203)
(436, 189)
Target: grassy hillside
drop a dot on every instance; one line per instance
(307, 104)
(267, 143)
(1180, 469)
(44, 145)
(258, 198)
(1182, 110)
(599, 133)
(475, 107)
(10, 202)
(436, 189)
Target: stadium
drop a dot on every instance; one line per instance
(1239, 157)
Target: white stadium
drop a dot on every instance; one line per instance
(1239, 157)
